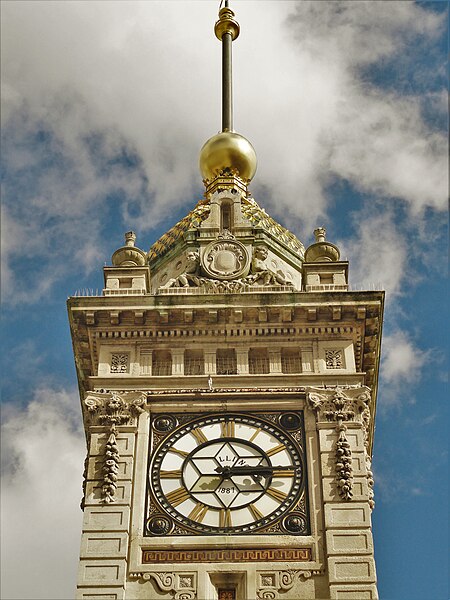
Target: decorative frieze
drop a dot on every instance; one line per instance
(227, 555)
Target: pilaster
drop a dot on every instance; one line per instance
(342, 419)
(107, 501)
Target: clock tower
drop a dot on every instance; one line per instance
(228, 381)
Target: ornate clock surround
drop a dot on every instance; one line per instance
(290, 517)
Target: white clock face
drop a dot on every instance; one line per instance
(229, 473)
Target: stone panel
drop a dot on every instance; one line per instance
(98, 572)
(94, 493)
(100, 593)
(95, 468)
(328, 438)
(106, 518)
(353, 592)
(125, 443)
(330, 492)
(349, 541)
(347, 515)
(351, 569)
(328, 462)
(102, 545)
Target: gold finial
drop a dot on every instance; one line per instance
(228, 150)
(227, 30)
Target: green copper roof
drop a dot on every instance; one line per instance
(250, 209)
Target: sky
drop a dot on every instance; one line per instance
(105, 106)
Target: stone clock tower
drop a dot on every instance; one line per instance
(228, 383)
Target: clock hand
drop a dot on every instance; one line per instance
(247, 470)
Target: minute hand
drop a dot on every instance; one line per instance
(260, 470)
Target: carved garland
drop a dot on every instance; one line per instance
(341, 406)
(113, 409)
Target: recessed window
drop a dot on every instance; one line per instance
(258, 361)
(194, 362)
(226, 363)
(161, 363)
(225, 214)
(291, 361)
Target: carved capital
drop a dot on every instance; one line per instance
(339, 404)
(113, 408)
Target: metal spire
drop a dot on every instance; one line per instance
(227, 30)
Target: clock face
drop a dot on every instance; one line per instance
(231, 473)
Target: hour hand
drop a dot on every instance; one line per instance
(248, 470)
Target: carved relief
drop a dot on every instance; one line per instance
(340, 404)
(344, 471)
(119, 363)
(190, 275)
(225, 258)
(370, 481)
(182, 586)
(343, 405)
(261, 274)
(334, 359)
(224, 267)
(271, 584)
(110, 468)
(114, 408)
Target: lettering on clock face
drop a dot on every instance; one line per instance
(227, 473)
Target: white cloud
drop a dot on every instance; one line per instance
(42, 459)
(401, 368)
(378, 253)
(131, 73)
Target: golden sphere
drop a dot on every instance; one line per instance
(227, 150)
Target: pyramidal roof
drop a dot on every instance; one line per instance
(250, 210)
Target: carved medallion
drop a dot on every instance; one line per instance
(226, 259)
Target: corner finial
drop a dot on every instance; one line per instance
(320, 234)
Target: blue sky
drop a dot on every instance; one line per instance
(105, 107)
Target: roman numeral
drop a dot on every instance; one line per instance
(181, 453)
(170, 474)
(255, 434)
(177, 496)
(199, 436)
(257, 515)
(228, 428)
(276, 449)
(225, 517)
(277, 494)
(198, 513)
(284, 473)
